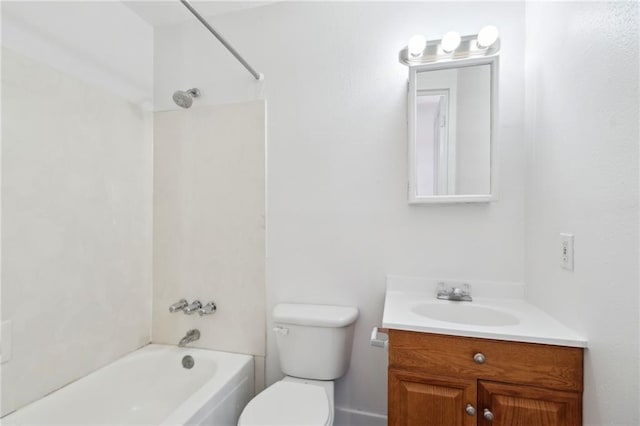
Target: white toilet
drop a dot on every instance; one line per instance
(314, 343)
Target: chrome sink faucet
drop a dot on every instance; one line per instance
(460, 292)
(191, 336)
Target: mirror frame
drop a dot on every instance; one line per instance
(493, 62)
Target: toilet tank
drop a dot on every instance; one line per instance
(314, 341)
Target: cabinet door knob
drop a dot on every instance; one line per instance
(488, 415)
(479, 358)
(471, 411)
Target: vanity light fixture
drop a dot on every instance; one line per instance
(416, 45)
(450, 42)
(487, 36)
(451, 47)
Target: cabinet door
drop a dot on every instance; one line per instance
(513, 405)
(422, 400)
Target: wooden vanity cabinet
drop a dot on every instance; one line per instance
(421, 399)
(441, 380)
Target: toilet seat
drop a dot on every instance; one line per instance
(288, 403)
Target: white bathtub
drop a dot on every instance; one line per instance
(150, 387)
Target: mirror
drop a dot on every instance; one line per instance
(452, 115)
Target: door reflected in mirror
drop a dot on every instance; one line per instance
(451, 142)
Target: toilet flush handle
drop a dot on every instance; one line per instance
(281, 330)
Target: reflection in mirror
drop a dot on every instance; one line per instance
(451, 120)
(432, 141)
(453, 131)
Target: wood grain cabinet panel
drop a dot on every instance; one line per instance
(421, 400)
(433, 379)
(514, 405)
(555, 367)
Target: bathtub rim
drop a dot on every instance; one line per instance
(236, 368)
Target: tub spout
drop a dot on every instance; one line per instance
(191, 336)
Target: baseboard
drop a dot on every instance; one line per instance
(351, 417)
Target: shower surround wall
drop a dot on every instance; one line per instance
(76, 192)
(77, 184)
(209, 225)
(76, 237)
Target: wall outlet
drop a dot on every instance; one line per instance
(566, 251)
(5, 342)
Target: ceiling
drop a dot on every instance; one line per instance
(167, 12)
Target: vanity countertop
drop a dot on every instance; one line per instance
(411, 305)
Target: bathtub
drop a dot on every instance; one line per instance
(150, 387)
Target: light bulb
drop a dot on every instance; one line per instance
(417, 43)
(487, 36)
(450, 41)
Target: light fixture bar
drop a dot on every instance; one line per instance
(434, 52)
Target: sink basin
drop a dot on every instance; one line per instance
(465, 313)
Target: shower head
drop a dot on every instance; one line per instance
(185, 99)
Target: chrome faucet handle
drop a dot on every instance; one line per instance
(457, 291)
(178, 306)
(208, 309)
(192, 308)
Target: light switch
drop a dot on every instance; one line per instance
(566, 251)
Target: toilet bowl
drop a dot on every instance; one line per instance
(291, 402)
(314, 344)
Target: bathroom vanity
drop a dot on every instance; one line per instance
(515, 365)
(450, 380)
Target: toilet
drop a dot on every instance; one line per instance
(314, 344)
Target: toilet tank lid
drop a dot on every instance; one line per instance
(315, 315)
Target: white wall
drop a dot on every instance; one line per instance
(209, 225)
(103, 43)
(338, 218)
(76, 191)
(582, 122)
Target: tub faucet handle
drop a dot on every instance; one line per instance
(178, 306)
(192, 308)
(208, 309)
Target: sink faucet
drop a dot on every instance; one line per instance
(191, 336)
(459, 292)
